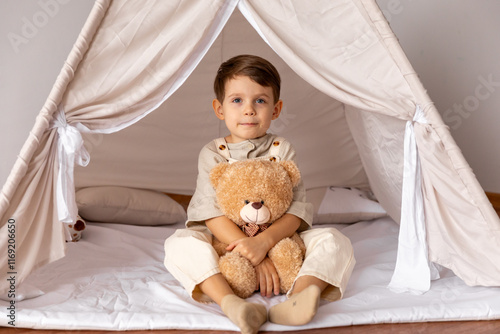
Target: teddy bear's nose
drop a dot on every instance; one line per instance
(256, 205)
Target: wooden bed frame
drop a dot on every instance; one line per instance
(442, 327)
(495, 201)
(445, 327)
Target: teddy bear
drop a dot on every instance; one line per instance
(254, 194)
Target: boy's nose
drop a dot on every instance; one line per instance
(249, 110)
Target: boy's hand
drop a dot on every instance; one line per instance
(267, 278)
(252, 248)
(255, 248)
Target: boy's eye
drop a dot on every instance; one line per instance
(260, 101)
(237, 100)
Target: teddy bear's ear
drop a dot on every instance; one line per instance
(217, 172)
(292, 170)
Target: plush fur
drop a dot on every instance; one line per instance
(257, 191)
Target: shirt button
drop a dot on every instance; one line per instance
(250, 146)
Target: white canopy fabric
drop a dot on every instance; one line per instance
(132, 56)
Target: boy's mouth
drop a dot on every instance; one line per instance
(249, 124)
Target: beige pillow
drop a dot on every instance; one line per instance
(128, 206)
(343, 205)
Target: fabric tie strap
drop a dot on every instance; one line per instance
(252, 229)
(70, 149)
(413, 271)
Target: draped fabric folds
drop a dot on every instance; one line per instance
(142, 52)
(132, 55)
(29, 195)
(344, 60)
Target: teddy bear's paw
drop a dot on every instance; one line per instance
(219, 247)
(239, 274)
(295, 237)
(287, 258)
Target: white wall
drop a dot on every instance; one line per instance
(452, 44)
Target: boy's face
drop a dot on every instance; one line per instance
(248, 109)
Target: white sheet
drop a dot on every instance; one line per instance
(114, 279)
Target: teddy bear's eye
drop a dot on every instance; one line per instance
(247, 201)
(262, 202)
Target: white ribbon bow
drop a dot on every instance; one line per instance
(70, 149)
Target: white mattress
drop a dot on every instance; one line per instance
(114, 279)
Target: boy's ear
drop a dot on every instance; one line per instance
(277, 109)
(218, 109)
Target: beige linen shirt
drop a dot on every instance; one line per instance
(203, 205)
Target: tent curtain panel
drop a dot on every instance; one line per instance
(141, 54)
(354, 70)
(28, 196)
(459, 219)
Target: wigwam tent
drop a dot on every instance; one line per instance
(354, 109)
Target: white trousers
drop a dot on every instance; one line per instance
(191, 259)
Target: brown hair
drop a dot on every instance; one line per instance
(256, 68)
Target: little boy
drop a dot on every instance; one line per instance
(247, 92)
